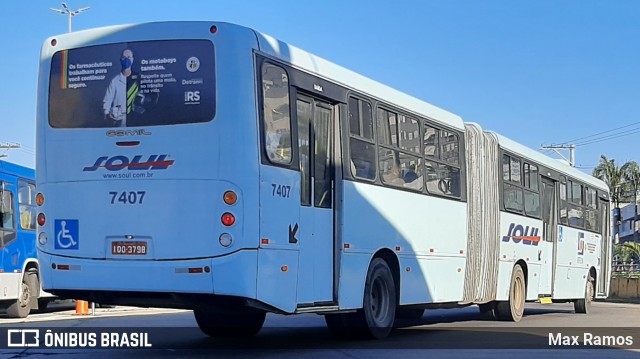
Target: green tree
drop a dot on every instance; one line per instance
(612, 175)
(631, 174)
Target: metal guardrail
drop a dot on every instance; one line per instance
(620, 268)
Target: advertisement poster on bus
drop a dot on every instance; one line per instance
(131, 84)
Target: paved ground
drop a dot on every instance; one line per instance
(65, 310)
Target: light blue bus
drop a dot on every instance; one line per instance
(20, 289)
(207, 166)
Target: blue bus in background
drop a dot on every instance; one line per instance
(20, 289)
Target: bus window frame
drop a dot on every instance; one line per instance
(10, 233)
(30, 205)
(291, 163)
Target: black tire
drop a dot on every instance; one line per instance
(376, 318)
(513, 309)
(379, 304)
(237, 322)
(583, 306)
(21, 307)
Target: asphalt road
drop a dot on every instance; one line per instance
(455, 333)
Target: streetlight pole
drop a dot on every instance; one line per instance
(70, 13)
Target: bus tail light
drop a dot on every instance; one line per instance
(41, 219)
(230, 197)
(39, 199)
(228, 219)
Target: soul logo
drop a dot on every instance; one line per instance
(525, 234)
(117, 163)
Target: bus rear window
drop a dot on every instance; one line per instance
(128, 84)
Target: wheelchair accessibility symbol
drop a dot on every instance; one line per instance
(66, 231)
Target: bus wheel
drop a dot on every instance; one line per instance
(237, 322)
(21, 307)
(376, 318)
(379, 304)
(583, 306)
(513, 309)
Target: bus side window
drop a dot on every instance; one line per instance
(362, 147)
(276, 112)
(7, 227)
(27, 204)
(6, 211)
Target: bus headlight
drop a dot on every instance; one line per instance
(42, 238)
(225, 240)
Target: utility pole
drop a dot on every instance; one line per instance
(571, 148)
(70, 13)
(7, 147)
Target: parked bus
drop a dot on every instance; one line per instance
(208, 166)
(20, 289)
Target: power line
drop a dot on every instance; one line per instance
(7, 147)
(20, 145)
(603, 132)
(608, 137)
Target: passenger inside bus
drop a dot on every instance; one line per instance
(410, 174)
(392, 176)
(25, 218)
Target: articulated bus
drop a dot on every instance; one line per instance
(207, 166)
(20, 289)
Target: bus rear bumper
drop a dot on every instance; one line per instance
(227, 275)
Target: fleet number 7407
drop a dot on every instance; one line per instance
(131, 197)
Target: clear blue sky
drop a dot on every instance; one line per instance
(539, 72)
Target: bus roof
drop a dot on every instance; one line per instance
(549, 162)
(17, 170)
(352, 80)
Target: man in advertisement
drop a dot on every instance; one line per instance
(121, 93)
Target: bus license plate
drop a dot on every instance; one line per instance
(138, 248)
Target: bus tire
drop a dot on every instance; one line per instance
(379, 302)
(21, 307)
(513, 309)
(376, 318)
(237, 322)
(583, 306)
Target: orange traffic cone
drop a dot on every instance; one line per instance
(82, 307)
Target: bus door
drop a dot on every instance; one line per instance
(604, 259)
(315, 275)
(547, 248)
